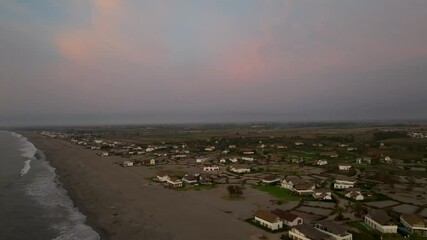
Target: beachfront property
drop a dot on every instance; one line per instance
(208, 168)
(379, 220)
(268, 219)
(162, 177)
(337, 232)
(343, 184)
(415, 224)
(174, 182)
(307, 232)
(190, 180)
(288, 218)
(322, 194)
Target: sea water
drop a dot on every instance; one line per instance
(33, 203)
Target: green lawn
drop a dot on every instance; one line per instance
(278, 192)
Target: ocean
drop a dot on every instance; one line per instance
(33, 203)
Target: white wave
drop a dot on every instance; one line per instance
(48, 192)
(26, 167)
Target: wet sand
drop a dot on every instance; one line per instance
(121, 203)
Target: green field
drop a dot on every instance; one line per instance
(278, 192)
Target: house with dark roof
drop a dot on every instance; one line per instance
(334, 230)
(190, 179)
(268, 219)
(379, 220)
(307, 232)
(288, 218)
(322, 194)
(297, 184)
(415, 224)
(174, 182)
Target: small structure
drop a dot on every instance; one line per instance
(378, 219)
(201, 160)
(105, 154)
(344, 183)
(190, 180)
(344, 167)
(162, 177)
(321, 162)
(174, 182)
(336, 231)
(233, 160)
(354, 193)
(240, 169)
(288, 218)
(152, 161)
(322, 194)
(222, 160)
(248, 159)
(307, 232)
(268, 219)
(270, 180)
(298, 185)
(127, 163)
(208, 168)
(415, 224)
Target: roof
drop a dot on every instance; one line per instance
(270, 178)
(311, 232)
(414, 219)
(267, 216)
(175, 179)
(284, 215)
(332, 227)
(379, 216)
(304, 186)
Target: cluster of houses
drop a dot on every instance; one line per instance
(186, 180)
(320, 230)
(375, 219)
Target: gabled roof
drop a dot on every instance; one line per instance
(311, 232)
(414, 219)
(267, 216)
(284, 215)
(332, 227)
(380, 216)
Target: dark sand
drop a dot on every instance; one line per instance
(122, 204)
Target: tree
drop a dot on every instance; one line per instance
(235, 191)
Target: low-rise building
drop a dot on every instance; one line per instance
(174, 182)
(208, 168)
(127, 163)
(344, 183)
(270, 180)
(334, 230)
(379, 220)
(268, 219)
(322, 194)
(162, 177)
(288, 218)
(344, 167)
(307, 232)
(240, 169)
(354, 193)
(415, 224)
(298, 185)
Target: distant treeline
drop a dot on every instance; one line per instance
(382, 135)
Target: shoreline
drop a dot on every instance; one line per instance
(121, 203)
(77, 203)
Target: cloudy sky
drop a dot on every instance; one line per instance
(158, 61)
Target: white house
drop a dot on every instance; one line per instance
(321, 162)
(270, 179)
(248, 153)
(208, 168)
(174, 182)
(298, 185)
(222, 160)
(354, 193)
(299, 143)
(240, 169)
(415, 224)
(343, 184)
(248, 159)
(152, 161)
(105, 154)
(201, 160)
(233, 160)
(288, 218)
(190, 179)
(210, 149)
(162, 177)
(307, 232)
(231, 146)
(322, 194)
(127, 163)
(378, 219)
(336, 231)
(268, 219)
(344, 167)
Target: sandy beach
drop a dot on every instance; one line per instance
(122, 203)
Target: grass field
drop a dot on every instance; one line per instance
(278, 192)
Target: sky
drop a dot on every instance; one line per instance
(157, 61)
